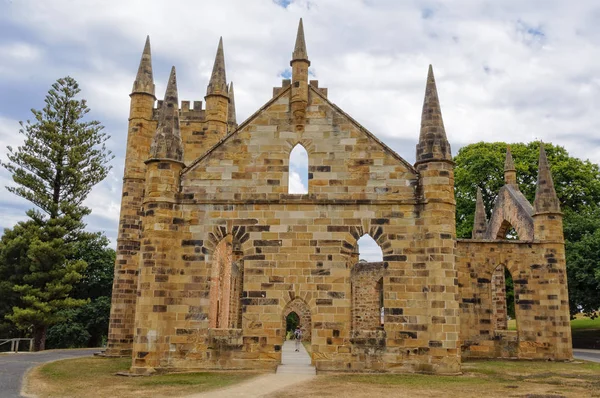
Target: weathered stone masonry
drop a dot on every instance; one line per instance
(214, 252)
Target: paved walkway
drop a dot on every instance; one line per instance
(587, 355)
(14, 366)
(295, 368)
(293, 362)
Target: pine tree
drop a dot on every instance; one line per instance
(62, 158)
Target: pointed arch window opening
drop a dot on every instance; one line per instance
(368, 250)
(507, 232)
(298, 171)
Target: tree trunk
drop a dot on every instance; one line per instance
(39, 338)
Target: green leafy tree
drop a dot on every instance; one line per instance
(87, 326)
(14, 245)
(582, 243)
(62, 158)
(577, 184)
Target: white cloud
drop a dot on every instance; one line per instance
(299, 157)
(9, 135)
(295, 184)
(369, 250)
(21, 51)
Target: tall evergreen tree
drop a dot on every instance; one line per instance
(62, 158)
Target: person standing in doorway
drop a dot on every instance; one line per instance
(298, 337)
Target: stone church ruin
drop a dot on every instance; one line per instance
(214, 252)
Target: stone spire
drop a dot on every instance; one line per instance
(231, 118)
(299, 64)
(480, 222)
(546, 200)
(300, 47)
(433, 144)
(218, 81)
(144, 81)
(167, 140)
(510, 172)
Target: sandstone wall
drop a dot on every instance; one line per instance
(541, 299)
(303, 247)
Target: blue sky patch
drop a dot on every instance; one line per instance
(427, 13)
(286, 74)
(283, 3)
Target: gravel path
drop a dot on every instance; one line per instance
(14, 366)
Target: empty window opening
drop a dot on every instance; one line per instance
(511, 234)
(503, 300)
(368, 250)
(379, 289)
(298, 171)
(507, 231)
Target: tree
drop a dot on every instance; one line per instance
(41, 275)
(582, 244)
(62, 158)
(13, 247)
(87, 326)
(577, 184)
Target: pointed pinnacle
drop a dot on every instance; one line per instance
(509, 164)
(218, 81)
(144, 80)
(231, 118)
(545, 195)
(167, 142)
(510, 171)
(433, 144)
(480, 221)
(300, 47)
(171, 95)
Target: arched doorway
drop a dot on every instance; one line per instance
(301, 310)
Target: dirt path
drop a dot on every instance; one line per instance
(257, 387)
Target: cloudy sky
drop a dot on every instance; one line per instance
(508, 70)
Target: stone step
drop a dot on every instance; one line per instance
(296, 369)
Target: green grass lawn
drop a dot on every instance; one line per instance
(96, 377)
(585, 323)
